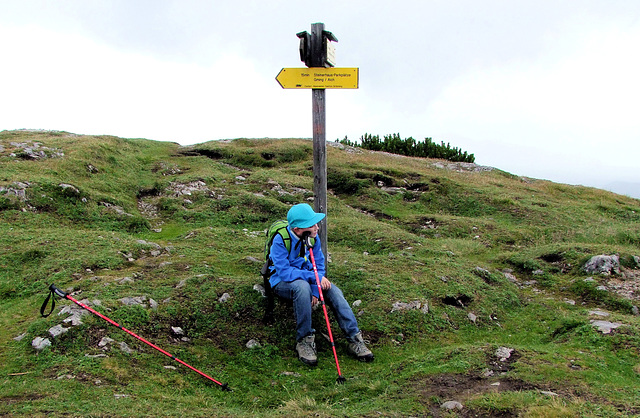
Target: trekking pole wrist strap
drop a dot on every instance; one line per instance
(53, 292)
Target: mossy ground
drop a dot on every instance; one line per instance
(423, 242)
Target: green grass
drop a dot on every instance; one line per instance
(445, 241)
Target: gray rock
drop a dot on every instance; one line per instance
(509, 276)
(152, 244)
(125, 280)
(605, 327)
(74, 319)
(57, 330)
(451, 405)
(356, 303)
(177, 330)
(128, 257)
(40, 343)
(603, 264)
(393, 190)
(425, 308)
(20, 337)
(75, 313)
(224, 298)
(503, 353)
(66, 186)
(136, 300)
(104, 342)
(259, 288)
(153, 304)
(115, 209)
(125, 348)
(483, 273)
(253, 344)
(294, 374)
(472, 317)
(403, 306)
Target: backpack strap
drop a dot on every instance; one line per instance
(283, 231)
(286, 238)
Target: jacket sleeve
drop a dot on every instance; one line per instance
(287, 272)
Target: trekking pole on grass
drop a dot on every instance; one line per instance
(54, 291)
(307, 242)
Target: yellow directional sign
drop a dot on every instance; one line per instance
(318, 78)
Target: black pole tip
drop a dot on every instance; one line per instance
(225, 388)
(340, 380)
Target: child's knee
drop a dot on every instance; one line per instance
(301, 289)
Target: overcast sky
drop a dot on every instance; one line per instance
(548, 89)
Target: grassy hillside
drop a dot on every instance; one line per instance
(493, 263)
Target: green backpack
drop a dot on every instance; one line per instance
(277, 228)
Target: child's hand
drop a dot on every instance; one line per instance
(314, 301)
(325, 284)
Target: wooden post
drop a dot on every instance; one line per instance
(320, 161)
(319, 137)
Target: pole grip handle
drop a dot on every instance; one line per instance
(306, 238)
(57, 291)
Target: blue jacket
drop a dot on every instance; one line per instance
(289, 266)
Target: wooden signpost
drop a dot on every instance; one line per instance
(318, 78)
(317, 51)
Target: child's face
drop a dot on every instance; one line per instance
(313, 231)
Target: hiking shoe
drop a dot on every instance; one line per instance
(306, 349)
(358, 348)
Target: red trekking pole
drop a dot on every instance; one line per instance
(307, 242)
(57, 292)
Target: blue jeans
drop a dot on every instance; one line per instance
(299, 292)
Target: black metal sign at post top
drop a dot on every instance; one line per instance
(318, 53)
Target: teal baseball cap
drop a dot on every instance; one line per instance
(303, 216)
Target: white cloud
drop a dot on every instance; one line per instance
(594, 88)
(69, 83)
(580, 96)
